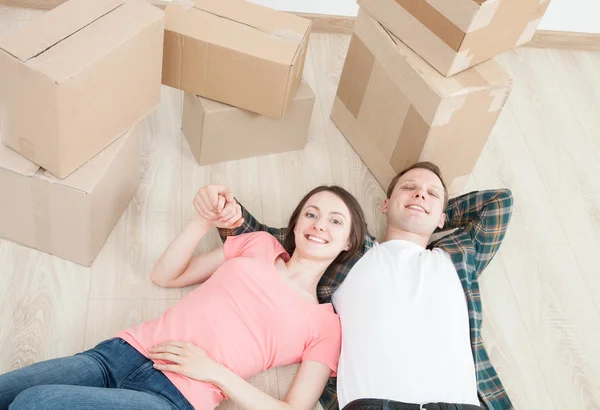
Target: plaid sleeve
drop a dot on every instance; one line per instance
(251, 225)
(484, 216)
(329, 397)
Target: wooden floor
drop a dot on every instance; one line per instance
(541, 293)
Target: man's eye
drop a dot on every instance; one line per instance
(434, 194)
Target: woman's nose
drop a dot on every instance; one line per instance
(319, 225)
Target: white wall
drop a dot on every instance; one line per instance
(332, 7)
(562, 15)
(582, 16)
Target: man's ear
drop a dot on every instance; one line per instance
(384, 207)
(442, 221)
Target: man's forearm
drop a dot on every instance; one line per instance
(469, 208)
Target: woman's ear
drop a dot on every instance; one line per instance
(347, 248)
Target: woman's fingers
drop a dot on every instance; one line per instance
(200, 208)
(175, 368)
(169, 357)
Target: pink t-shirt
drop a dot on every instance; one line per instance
(246, 317)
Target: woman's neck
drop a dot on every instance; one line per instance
(305, 273)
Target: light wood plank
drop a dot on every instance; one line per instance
(537, 256)
(508, 343)
(563, 150)
(43, 306)
(153, 218)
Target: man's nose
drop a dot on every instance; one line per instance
(420, 194)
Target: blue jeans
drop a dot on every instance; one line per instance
(112, 375)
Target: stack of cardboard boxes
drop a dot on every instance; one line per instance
(75, 84)
(420, 82)
(77, 81)
(240, 65)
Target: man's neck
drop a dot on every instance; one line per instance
(392, 234)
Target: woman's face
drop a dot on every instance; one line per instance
(323, 227)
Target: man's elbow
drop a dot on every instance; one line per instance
(505, 194)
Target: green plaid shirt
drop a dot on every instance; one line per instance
(482, 219)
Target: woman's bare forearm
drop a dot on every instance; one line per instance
(176, 258)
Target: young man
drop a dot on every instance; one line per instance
(410, 310)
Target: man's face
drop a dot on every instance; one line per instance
(416, 203)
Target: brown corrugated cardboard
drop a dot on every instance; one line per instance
(219, 132)
(455, 35)
(235, 52)
(77, 77)
(395, 109)
(72, 217)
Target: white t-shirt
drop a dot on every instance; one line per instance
(405, 328)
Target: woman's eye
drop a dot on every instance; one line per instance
(336, 221)
(310, 215)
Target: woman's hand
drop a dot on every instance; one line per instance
(216, 204)
(186, 359)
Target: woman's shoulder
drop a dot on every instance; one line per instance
(255, 242)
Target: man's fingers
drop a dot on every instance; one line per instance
(229, 196)
(228, 211)
(220, 203)
(234, 218)
(237, 224)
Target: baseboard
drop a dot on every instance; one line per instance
(565, 40)
(343, 24)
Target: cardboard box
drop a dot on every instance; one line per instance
(72, 217)
(235, 52)
(455, 35)
(77, 77)
(395, 109)
(219, 132)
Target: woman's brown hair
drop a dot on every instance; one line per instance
(358, 227)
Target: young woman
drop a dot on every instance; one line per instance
(256, 309)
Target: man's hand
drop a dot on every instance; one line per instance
(184, 358)
(217, 205)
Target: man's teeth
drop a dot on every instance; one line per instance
(417, 207)
(315, 239)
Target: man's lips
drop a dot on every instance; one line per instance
(417, 207)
